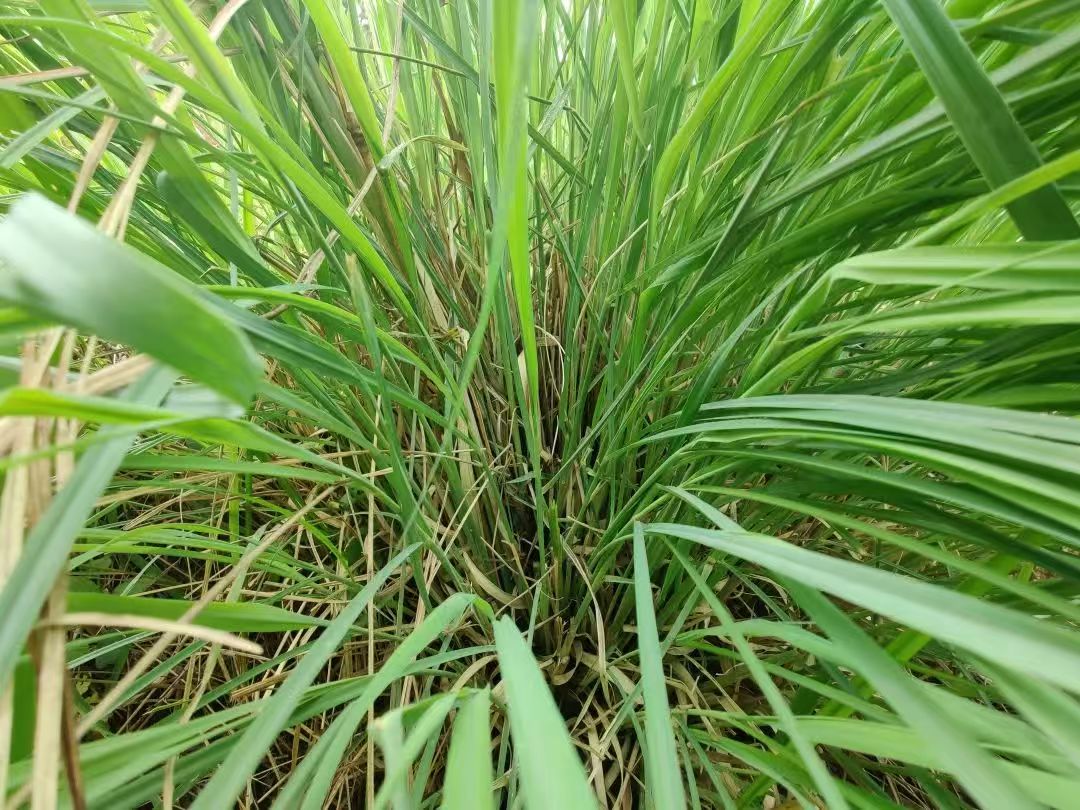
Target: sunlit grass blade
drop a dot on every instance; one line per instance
(541, 744)
(468, 764)
(402, 753)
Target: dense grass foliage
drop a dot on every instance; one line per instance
(540, 404)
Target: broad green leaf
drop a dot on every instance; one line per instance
(541, 744)
(58, 266)
(1048, 709)
(1014, 267)
(898, 743)
(952, 747)
(468, 769)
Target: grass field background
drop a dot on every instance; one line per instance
(540, 404)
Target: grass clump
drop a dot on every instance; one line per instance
(539, 403)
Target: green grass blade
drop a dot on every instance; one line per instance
(60, 267)
(1000, 635)
(541, 744)
(50, 540)
(468, 766)
(997, 143)
(662, 763)
(396, 666)
(986, 780)
(229, 780)
(394, 786)
(238, 617)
